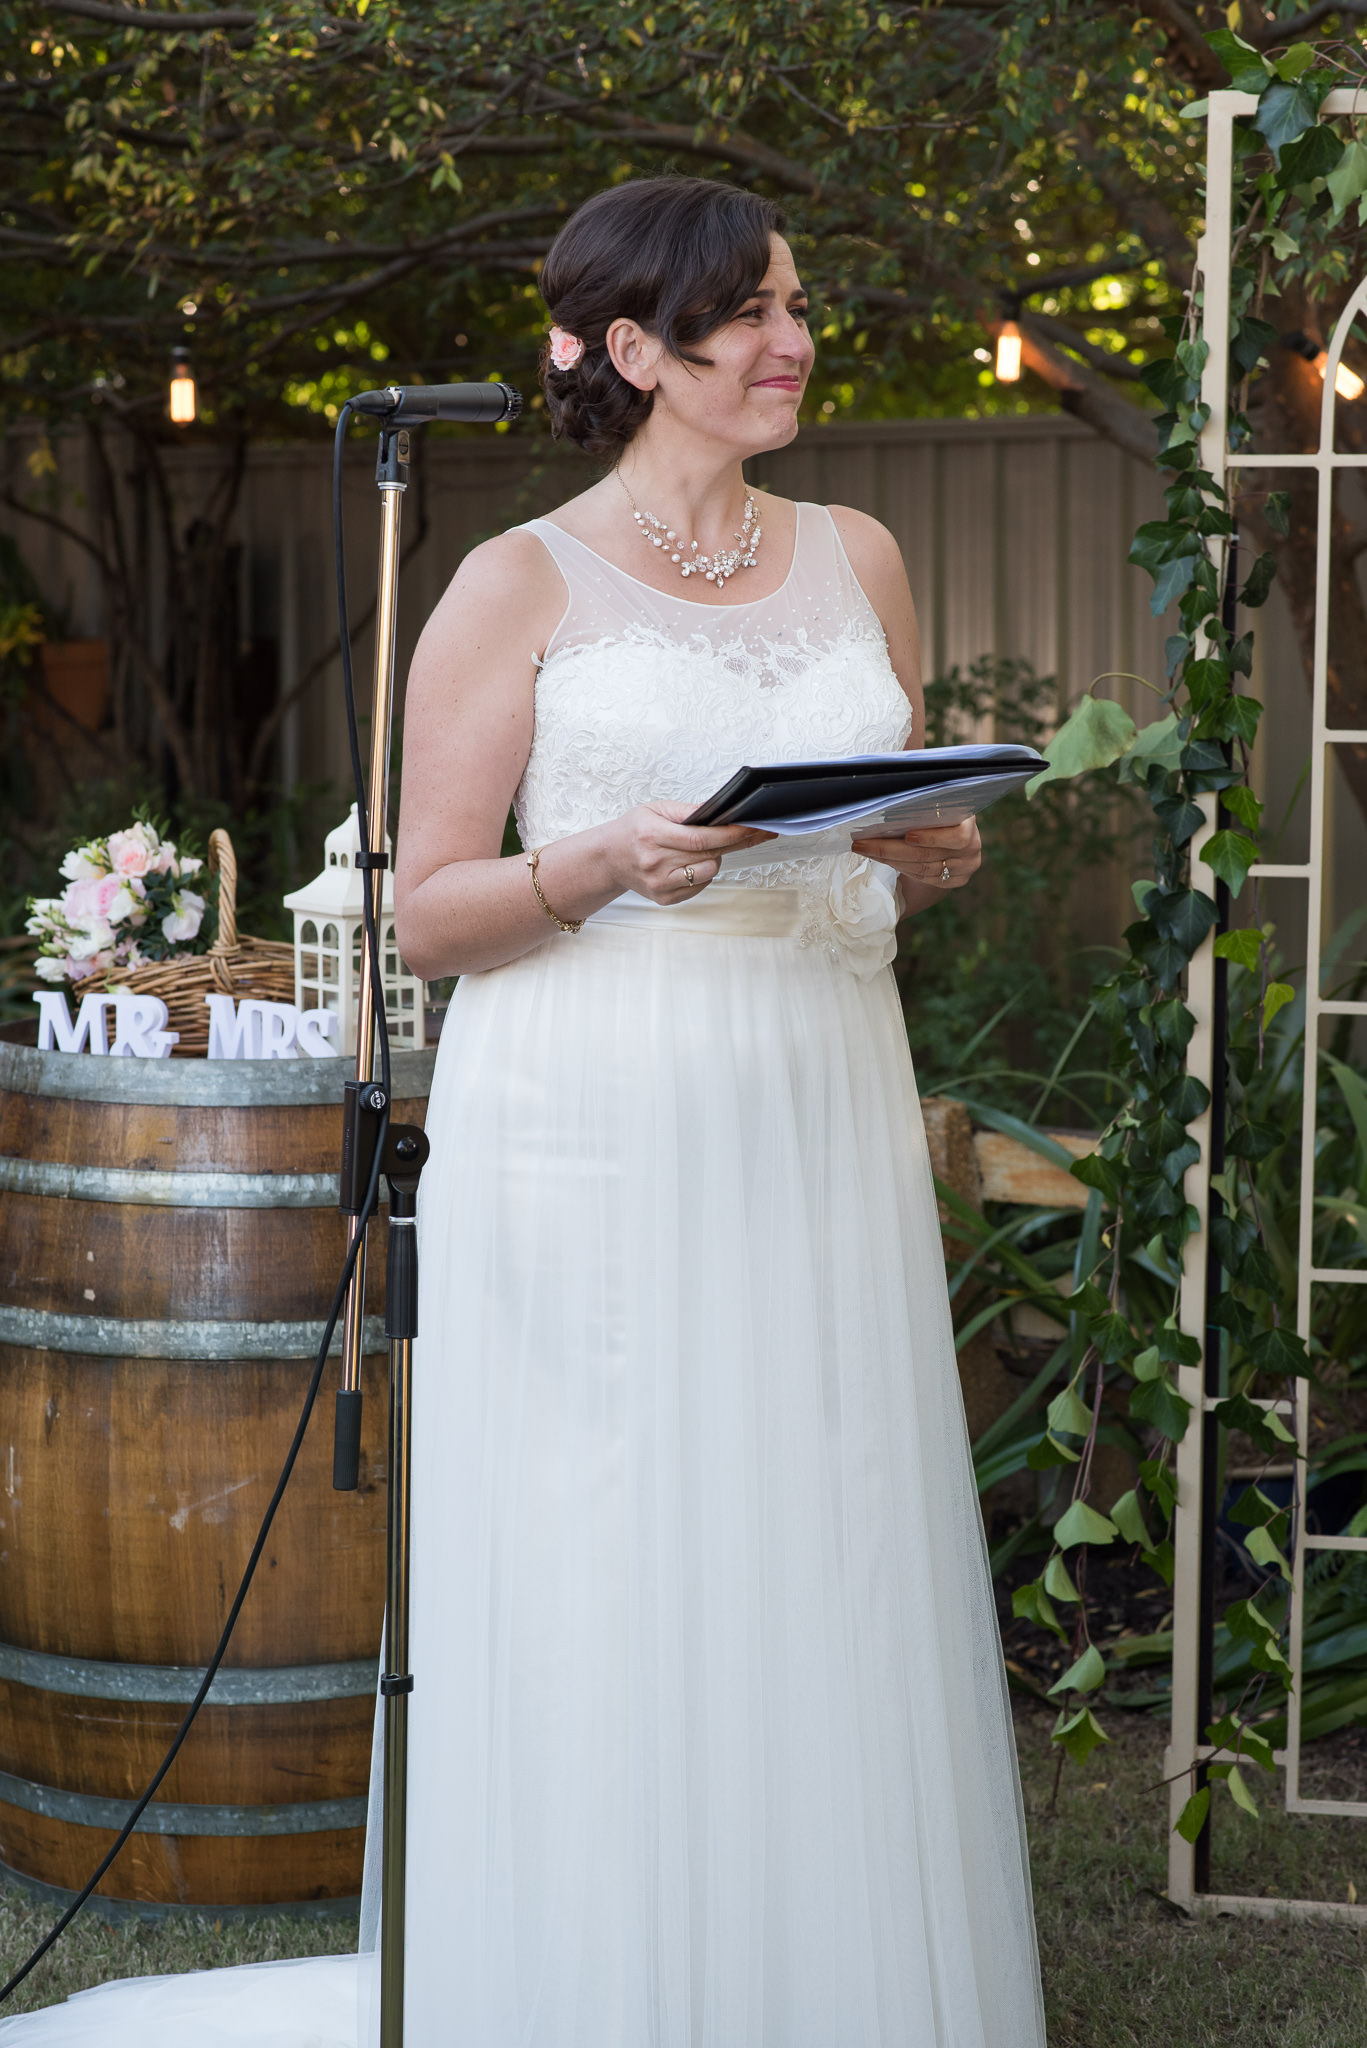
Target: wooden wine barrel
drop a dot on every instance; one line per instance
(169, 1247)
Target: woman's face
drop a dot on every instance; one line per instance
(747, 395)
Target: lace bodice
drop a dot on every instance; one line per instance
(643, 696)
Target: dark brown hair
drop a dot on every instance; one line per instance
(679, 255)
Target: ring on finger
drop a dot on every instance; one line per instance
(944, 872)
(688, 876)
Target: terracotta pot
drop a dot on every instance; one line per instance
(76, 673)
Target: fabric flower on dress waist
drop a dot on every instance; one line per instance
(862, 908)
(566, 349)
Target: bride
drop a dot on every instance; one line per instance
(710, 1745)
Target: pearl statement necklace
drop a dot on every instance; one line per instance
(718, 568)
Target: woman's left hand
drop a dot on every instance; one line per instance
(938, 856)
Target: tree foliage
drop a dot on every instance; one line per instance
(299, 193)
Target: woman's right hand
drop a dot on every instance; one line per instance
(650, 850)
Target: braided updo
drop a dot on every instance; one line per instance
(680, 256)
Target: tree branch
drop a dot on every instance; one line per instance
(1186, 38)
(1085, 395)
(1141, 211)
(140, 17)
(1110, 363)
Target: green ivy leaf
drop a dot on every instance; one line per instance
(1278, 995)
(1148, 1365)
(1227, 1312)
(1242, 804)
(1260, 576)
(1057, 1583)
(1128, 1516)
(1157, 745)
(1080, 1734)
(1185, 916)
(1317, 151)
(1346, 182)
(1186, 1098)
(1277, 510)
(1097, 734)
(1179, 817)
(1047, 1452)
(1082, 1524)
(1253, 1509)
(1244, 948)
(1085, 1675)
(1173, 1023)
(1158, 1403)
(1281, 1352)
(1113, 1338)
(1285, 111)
(1267, 1430)
(1161, 1485)
(1162, 1560)
(1032, 1603)
(1239, 1792)
(1298, 58)
(1231, 855)
(1248, 1624)
(1170, 582)
(1260, 1546)
(1192, 1818)
(1175, 1345)
(1095, 1172)
(1248, 72)
(1230, 1734)
(1252, 1141)
(1237, 719)
(1253, 340)
(1069, 1415)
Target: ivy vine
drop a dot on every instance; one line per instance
(1296, 177)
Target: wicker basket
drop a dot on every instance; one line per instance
(232, 966)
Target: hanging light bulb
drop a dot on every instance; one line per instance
(182, 393)
(1346, 382)
(1008, 363)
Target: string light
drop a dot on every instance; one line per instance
(182, 392)
(1008, 364)
(1346, 382)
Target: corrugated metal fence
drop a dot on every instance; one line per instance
(1014, 531)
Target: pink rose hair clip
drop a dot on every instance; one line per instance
(566, 349)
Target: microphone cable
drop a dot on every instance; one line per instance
(125, 1833)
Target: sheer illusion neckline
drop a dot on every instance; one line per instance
(696, 604)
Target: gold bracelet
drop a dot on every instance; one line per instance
(564, 924)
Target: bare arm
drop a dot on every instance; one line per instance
(468, 721)
(920, 858)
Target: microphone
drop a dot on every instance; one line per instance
(414, 405)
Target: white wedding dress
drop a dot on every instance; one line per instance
(710, 1743)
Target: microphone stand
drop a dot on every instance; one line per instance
(403, 1147)
(405, 1150)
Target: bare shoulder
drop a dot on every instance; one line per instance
(881, 574)
(506, 588)
(874, 555)
(512, 567)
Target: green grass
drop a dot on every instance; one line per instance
(1122, 1968)
(92, 1950)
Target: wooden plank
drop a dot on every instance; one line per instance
(1011, 1172)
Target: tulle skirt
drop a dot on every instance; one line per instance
(710, 1743)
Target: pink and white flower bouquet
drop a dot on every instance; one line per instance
(126, 903)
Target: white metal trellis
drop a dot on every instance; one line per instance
(1187, 1745)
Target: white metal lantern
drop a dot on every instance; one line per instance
(329, 932)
